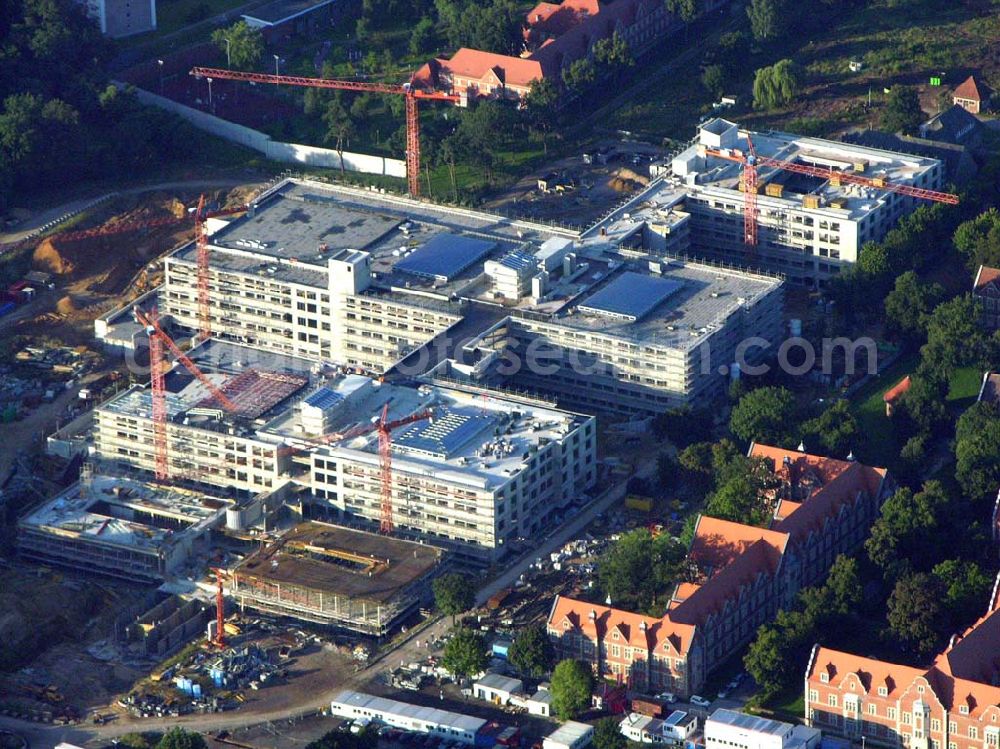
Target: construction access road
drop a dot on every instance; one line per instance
(412, 648)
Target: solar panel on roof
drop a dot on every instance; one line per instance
(443, 436)
(444, 256)
(631, 296)
(324, 398)
(517, 260)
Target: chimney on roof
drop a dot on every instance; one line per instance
(607, 601)
(642, 626)
(592, 615)
(850, 456)
(802, 447)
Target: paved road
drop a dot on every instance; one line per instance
(50, 214)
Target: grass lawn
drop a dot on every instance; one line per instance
(881, 447)
(963, 389)
(789, 706)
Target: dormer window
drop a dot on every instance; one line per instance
(963, 709)
(883, 692)
(824, 677)
(614, 635)
(920, 690)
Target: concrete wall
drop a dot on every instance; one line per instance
(174, 622)
(289, 153)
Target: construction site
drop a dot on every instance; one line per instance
(330, 575)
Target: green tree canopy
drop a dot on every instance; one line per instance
(909, 305)
(908, 521)
(902, 111)
(422, 38)
(465, 653)
(532, 652)
(776, 85)
(245, 43)
(954, 337)
(638, 569)
(835, 431)
(686, 10)
(579, 74)
(454, 594)
(915, 612)
(571, 685)
(978, 239)
(768, 19)
(765, 415)
(178, 738)
(608, 736)
(612, 54)
(967, 590)
(713, 78)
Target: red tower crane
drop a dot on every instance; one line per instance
(752, 161)
(411, 96)
(385, 428)
(158, 338)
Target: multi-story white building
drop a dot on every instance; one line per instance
(810, 228)
(338, 276)
(729, 729)
(474, 473)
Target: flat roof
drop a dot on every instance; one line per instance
(501, 682)
(631, 296)
(433, 715)
(860, 160)
(750, 722)
(343, 561)
(569, 732)
(444, 256)
(281, 11)
(83, 510)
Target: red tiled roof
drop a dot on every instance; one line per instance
(596, 621)
(556, 19)
(872, 673)
(985, 276)
(474, 64)
(718, 543)
(897, 390)
(972, 89)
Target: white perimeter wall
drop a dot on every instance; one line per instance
(289, 153)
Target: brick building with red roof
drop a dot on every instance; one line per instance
(555, 35)
(953, 704)
(972, 95)
(986, 290)
(823, 507)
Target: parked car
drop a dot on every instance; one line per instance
(700, 701)
(668, 697)
(723, 693)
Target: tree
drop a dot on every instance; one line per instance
(422, 37)
(608, 736)
(367, 738)
(914, 611)
(908, 306)
(908, 521)
(579, 74)
(542, 103)
(340, 127)
(683, 425)
(571, 686)
(686, 10)
(454, 594)
(638, 568)
(765, 415)
(902, 111)
(766, 660)
(954, 337)
(777, 85)
(835, 430)
(967, 589)
(245, 43)
(612, 54)
(532, 653)
(978, 239)
(767, 19)
(843, 584)
(178, 738)
(465, 653)
(977, 460)
(713, 78)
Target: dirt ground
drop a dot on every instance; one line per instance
(595, 188)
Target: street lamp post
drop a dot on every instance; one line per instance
(160, 63)
(229, 61)
(276, 59)
(210, 107)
